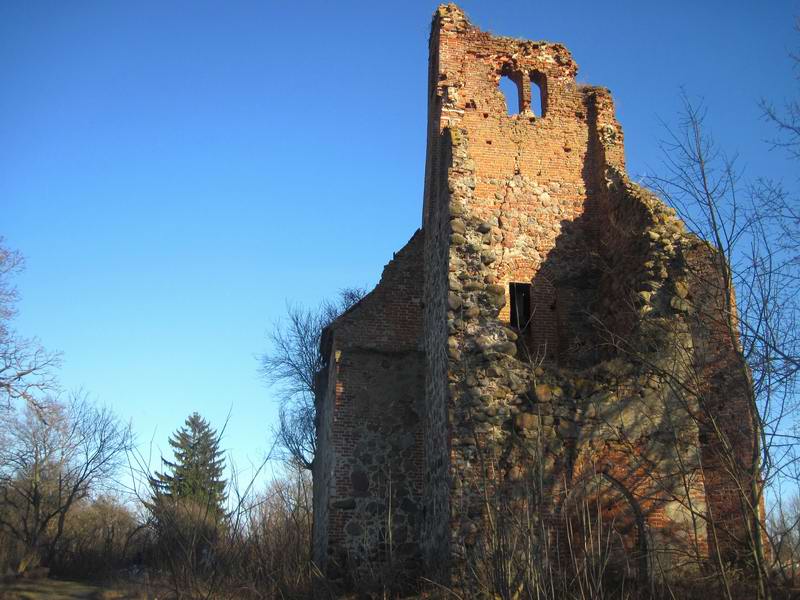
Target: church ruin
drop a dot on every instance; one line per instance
(543, 346)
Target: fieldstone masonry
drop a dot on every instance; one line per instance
(439, 405)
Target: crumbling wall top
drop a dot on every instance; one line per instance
(553, 59)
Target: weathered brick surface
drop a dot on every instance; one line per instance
(368, 469)
(434, 403)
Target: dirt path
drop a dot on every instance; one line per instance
(52, 589)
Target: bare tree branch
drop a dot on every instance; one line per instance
(292, 366)
(26, 368)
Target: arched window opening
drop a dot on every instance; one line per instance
(538, 93)
(512, 95)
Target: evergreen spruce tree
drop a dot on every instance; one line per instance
(195, 473)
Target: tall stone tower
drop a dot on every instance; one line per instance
(544, 346)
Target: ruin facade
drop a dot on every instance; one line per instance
(530, 348)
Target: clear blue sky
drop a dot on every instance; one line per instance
(174, 172)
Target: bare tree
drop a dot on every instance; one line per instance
(748, 282)
(51, 457)
(786, 119)
(780, 207)
(292, 365)
(25, 366)
(784, 533)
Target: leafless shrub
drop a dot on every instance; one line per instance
(101, 535)
(52, 457)
(259, 548)
(273, 547)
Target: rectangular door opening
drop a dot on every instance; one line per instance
(520, 294)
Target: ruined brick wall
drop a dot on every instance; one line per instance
(443, 408)
(532, 175)
(586, 391)
(729, 441)
(368, 468)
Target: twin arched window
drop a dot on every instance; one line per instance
(524, 91)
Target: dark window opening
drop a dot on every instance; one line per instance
(520, 305)
(510, 91)
(538, 93)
